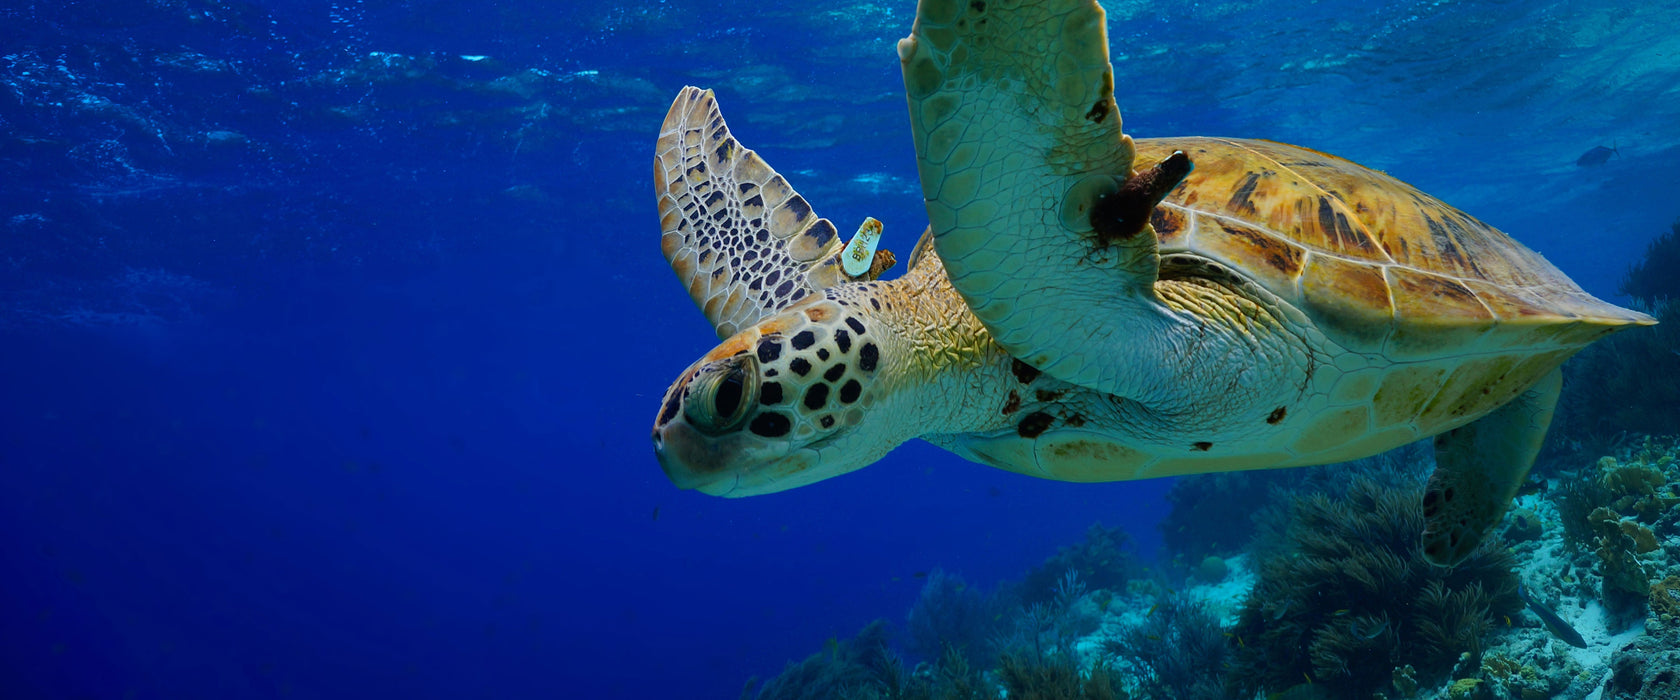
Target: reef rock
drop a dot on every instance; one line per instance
(1646, 669)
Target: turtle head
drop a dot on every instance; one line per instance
(780, 404)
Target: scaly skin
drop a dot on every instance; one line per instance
(1018, 138)
(1015, 157)
(939, 375)
(922, 364)
(1281, 308)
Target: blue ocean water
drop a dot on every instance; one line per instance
(331, 332)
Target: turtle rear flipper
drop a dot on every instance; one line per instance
(743, 242)
(1479, 468)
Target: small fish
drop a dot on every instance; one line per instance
(656, 512)
(919, 574)
(1376, 631)
(1599, 155)
(1279, 613)
(1558, 627)
(1340, 613)
(1152, 637)
(1152, 610)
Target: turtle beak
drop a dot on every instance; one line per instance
(691, 460)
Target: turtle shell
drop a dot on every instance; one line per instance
(1378, 265)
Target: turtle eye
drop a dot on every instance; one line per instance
(717, 399)
(727, 399)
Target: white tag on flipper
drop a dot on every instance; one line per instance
(860, 251)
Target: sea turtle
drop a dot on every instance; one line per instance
(1070, 316)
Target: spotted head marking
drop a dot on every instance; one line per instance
(781, 404)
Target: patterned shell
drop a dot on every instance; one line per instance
(1376, 264)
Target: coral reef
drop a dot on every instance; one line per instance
(1036, 652)
(1038, 656)
(863, 666)
(1647, 669)
(1621, 510)
(1050, 629)
(1220, 514)
(1527, 663)
(1213, 569)
(950, 679)
(1467, 689)
(1102, 561)
(1509, 678)
(1180, 649)
(1656, 277)
(1665, 600)
(1524, 525)
(950, 614)
(1212, 514)
(1353, 599)
(1028, 678)
(1336, 601)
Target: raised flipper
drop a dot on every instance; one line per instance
(1019, 149)
(1478, 468)
(743, 242)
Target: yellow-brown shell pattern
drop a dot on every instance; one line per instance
(1376, 263)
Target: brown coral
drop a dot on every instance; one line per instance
(1608, 523)
(1628, 482)
(1665, 599)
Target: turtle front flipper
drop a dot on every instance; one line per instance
(1478, 468)
(743, 242)
(1038, 215)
